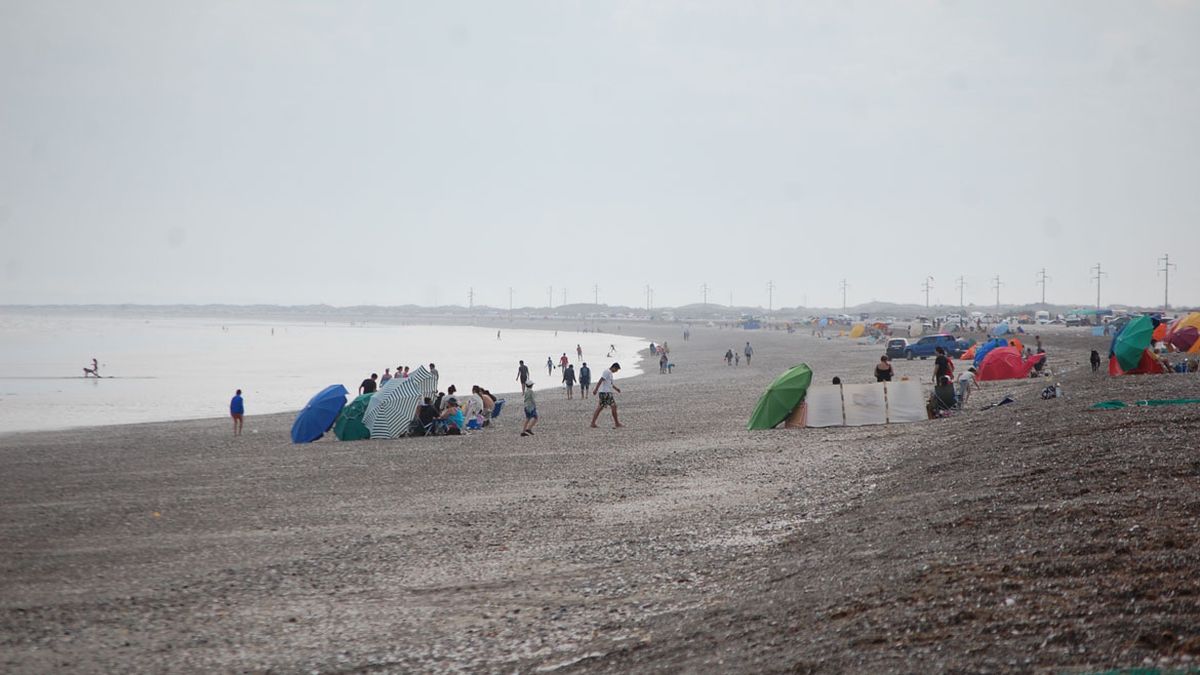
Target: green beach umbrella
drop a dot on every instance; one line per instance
(1132, 341)
(349, 425)
(781, 397)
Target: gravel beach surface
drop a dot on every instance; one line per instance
(1035, 536)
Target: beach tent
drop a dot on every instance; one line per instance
(857, 330)
(1016, 342)
(968, 355)
(319, 414)
(780, 397)
(349, 425)
(982, 350)
(1005, 363)
(1184, 333)
(1148, 364)
(1000, 329)
(1160, 332)
(1129, 343)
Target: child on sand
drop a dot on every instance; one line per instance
(531, 414)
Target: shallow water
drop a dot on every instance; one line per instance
(187, 368)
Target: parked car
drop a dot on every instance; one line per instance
(895, 347)
(926, 346)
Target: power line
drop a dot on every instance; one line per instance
(1042, 279)
(704, 289)
(996, 284)
(1096, 277)
(961, 285)
(1166, 272)
(596, 294)
(844, 286)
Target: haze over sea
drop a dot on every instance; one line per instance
(187, 368)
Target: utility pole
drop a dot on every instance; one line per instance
(996, 284)
(844, 286)
(550, 298)
(596, 294)
(704, 289)
(770, 296)
(927, 285)
(1096, 277)
(731, 298)
(471, 298)
(961, 284)
(510, 303)
(1166, 272)
(1042, 279)
(649, 294)
(564, 294)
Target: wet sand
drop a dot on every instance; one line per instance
(1036, 536)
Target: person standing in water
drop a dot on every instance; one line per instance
(237, 410)
(605, 388)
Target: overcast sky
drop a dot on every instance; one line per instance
(391, 152)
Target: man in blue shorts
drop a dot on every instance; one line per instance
(531, 416)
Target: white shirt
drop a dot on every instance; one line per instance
(606, 382)
(967, 377)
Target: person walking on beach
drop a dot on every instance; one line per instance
(522, 374)
(563, 361)
(605, 388)
(966, 382)
(369, 385)
(585, 380)
(941, 366)
(549, 366)
(531, 414)
(237, 410)
(749, 352)
(729, 357)
(569, 381)
(387, 376)
(579, 352)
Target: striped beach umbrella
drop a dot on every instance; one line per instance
(392, 409)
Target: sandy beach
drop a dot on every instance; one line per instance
(1037, 536)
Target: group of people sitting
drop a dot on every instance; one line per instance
(452, 414)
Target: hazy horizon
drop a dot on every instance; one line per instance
(386, 154)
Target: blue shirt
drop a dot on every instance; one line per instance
(236, 406)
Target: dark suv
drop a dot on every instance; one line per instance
(926, 346)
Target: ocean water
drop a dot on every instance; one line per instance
(188, 368)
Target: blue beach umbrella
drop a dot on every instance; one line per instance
(319, 415)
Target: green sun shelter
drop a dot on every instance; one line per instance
(349, 425)
(781, 397)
